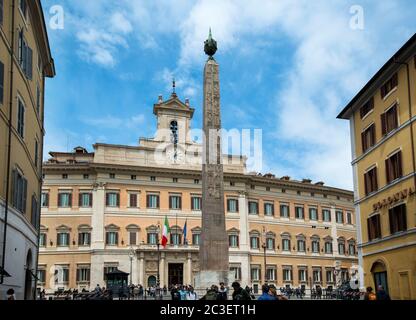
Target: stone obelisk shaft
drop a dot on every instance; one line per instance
(214, 241)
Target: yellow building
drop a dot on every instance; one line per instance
(382, 119)
(104, 210)
(25, 61)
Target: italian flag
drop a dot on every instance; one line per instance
(165, 232)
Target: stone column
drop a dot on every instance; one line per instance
(141, 268)
(135, 270)
(97, 220)
(189, 269)
(162, 269)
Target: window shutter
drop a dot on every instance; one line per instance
(192, 203)
(373, 135)
(79, 199)
(70, 200)
(118, 199)
(180, 202)
(29, 63)
(157, 202)
(383, 91)
(14, 187)
(399, 163)
(90, 199)
(47, 199)
(59, 200)
(24, 195)
(170, 202)
(107, 199)
(148, 201)
(388, 176)
(394, 81)
(383, 124)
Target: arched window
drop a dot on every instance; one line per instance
(152, 234)
(176, 235)
(351, 247)
(270, 241)
(43, 236)
(328, 245)
(174, 131)
(315, 243)
(84, 235)
(341, 246)
(62, 236)
(301, 243)
(233, 238)
(254, 239)
(286, 241)
(133, 231)
(196, 236)
(111, 235)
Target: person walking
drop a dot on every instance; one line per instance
(382, 294)
(265, 294)
(240, 293)
(212, 293)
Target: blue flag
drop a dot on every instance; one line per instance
(185, 242)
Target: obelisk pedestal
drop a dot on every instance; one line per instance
(213, 252)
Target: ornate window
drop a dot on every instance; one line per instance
(286, 241)
(112, 199)
(232, 205)
(196, 236)
(269, 209)
(341, 246)
(284, 210)
(315, 244)
(62, 235)
(84, 235)
(313, 214)
(253, 207)
(351, 247)
(175, 202)
(111, 235)
(328, 245)
(152, 234)
(176, 235)
(254, 239)
(301, 243)
(196, 203)
(299, 212)
(326, 215)
(270, 241)
(233, 238)
(133, 231)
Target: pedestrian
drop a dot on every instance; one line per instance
(382, 294)
(191, 295)
(97, 288)
(183, 292)
(176, 296)
(240, 293)
(212, 293)
(222, 292)
(10, 294)
(265, 294)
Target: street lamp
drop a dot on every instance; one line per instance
(264, 245)
(132, 253)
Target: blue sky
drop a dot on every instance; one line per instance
(287, 67)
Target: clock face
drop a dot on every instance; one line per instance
(175, 155)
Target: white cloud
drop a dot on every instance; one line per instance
(120, 23)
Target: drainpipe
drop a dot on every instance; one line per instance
(410, 118)
(6, 207)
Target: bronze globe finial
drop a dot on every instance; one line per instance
(210, 46)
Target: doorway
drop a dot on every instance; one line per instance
(175, 273)
(28, 277)
(151, 281)
(379, 272)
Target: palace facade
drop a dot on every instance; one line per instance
(104, 210)
(382, 117)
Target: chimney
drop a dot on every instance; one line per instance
(320, 183)
(286, 178)
(306, 180)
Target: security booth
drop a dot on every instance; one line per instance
(117, 283)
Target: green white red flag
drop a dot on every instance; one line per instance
(165, 232)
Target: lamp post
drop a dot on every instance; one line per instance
(264, 245)
(131, 256)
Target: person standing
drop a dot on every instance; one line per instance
(191, 295)
(382, 294)
(10, 295)
(240, 293)
(222, 292)
(369, 294)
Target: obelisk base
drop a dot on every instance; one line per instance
(205, 279)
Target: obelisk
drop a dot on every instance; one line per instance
(213, 252)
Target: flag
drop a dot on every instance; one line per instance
(185, 242)
(165, 232)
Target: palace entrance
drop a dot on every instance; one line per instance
(175, 273)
